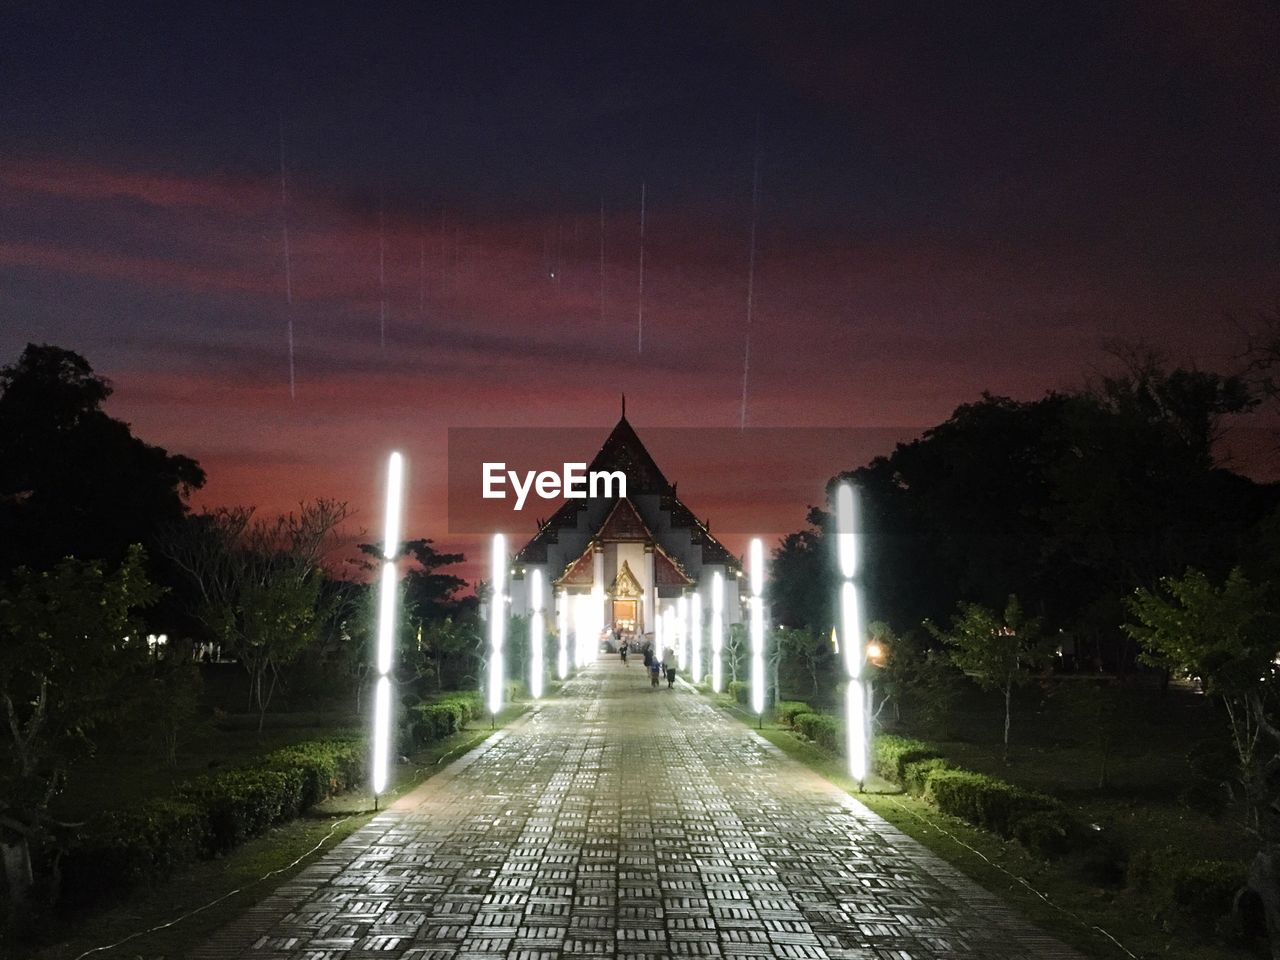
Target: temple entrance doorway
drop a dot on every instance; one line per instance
(625, 617)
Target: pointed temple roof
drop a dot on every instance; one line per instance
(624, 524)
(623, 450)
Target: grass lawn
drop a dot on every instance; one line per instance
(222, 889)
(1051, 896)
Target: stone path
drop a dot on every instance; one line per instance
(620, 822)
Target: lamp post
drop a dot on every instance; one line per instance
(851, 626)
(682, 631)
(386, 626)
(717, 630)
(536, 631)
(695, 637)
(757, 628)
(497, 621)
(562, 628)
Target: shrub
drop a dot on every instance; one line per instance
(1049, 834)
(787, 710)
(890, 756)
(916, 773)
(206, 817)
(983, 801)
(243, 803)
(122, 849)
(327, 767)
(739, 690)
(821, 729)
(435, 721)
(470, 705)
(1184, 889)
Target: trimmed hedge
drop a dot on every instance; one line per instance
(1049, 834)
(984, 801)
(740, 690)
(890, 756)
(915, 775)
(787, 710)
(822, 730)
(205, 817)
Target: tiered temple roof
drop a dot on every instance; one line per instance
(623, 450)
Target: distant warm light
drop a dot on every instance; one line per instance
(562, 625)
(386, 635)
(536, 630)
(757, 625)
(497, 620)
(717, 630)
(875, 652)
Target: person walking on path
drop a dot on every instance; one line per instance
(670, 663)
(622, 651)
(654, 669)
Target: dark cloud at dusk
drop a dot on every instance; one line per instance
(952, 199)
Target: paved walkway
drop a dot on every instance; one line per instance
(622, 822)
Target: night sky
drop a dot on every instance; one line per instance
(952, 198)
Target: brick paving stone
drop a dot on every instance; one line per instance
(620, 823)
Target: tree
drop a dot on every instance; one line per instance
(801, 577)
(70, 654)
(261, 584)
(735, 649)
(1226, 636)
(998, 650)
(73, 480)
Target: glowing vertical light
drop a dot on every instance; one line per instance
(852, 629)
(497, 620)
(717, 630)
(385, 638)
(580, 629)
(562, 627)
(757, 625)
(695, 637)
(597, 622)
(536, 630)
(381, 733)
(659, 634)
(682, 631)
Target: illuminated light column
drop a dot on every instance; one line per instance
(580, 628)
(536, 630)
(717, 630)
(598, 620)
(695, 633)
(658, 632)
(757, 626)
(386, 624)
(562, 627)
(851, 627)
(682, 631)
(497, 620)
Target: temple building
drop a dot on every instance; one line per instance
(638, 554)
